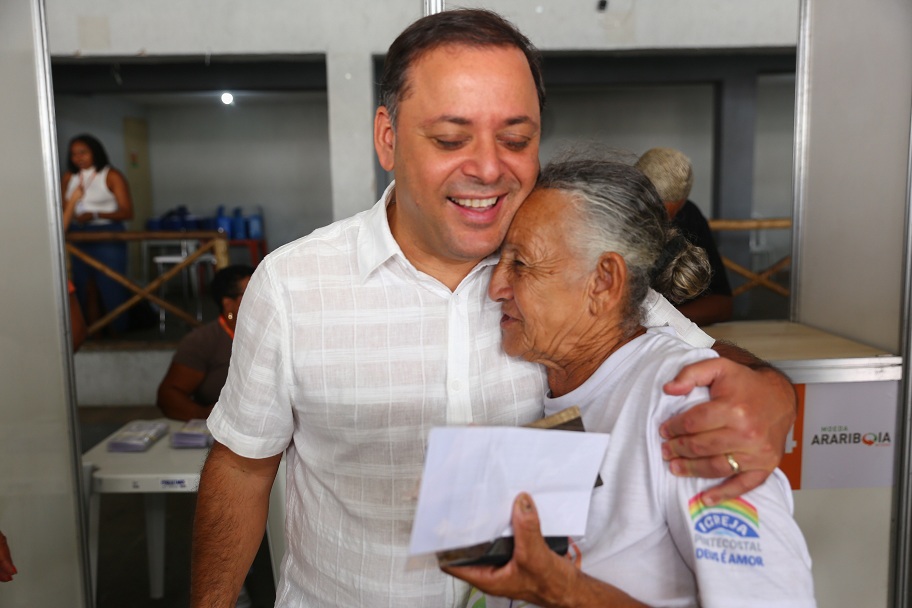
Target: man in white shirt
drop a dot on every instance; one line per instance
(355, 340)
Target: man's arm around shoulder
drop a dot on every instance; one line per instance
(751, 409)
(230, 521)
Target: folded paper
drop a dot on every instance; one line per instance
(473, 474)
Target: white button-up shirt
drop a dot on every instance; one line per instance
(347, 355)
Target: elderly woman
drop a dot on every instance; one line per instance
(576, 264)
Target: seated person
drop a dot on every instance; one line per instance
(200, 365)
(672, 175)
(576, 264)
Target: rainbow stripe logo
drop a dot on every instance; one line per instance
(735, 517)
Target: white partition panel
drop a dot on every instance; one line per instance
(39, 504)
(851, 247)
(855, 95)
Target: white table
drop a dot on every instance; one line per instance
(158, 471)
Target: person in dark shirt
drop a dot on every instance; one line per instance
(671, 173)
(199, 367)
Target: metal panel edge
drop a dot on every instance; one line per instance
(901, 547)
(802, 126)
(47, 119)
(843, 370)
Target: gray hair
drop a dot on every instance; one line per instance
(620, 211)
(670, 171)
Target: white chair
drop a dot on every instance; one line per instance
(190, 278)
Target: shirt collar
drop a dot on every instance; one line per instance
(375, 239)
(376, 244)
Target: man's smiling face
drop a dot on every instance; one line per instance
(464, 152)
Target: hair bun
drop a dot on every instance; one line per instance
(682, 271)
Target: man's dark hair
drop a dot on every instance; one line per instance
(225, 283)
(470, 27)
(99, 156)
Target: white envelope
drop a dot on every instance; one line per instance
(473, 474)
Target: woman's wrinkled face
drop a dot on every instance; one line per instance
(541, 281)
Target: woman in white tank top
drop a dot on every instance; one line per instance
(97, 199)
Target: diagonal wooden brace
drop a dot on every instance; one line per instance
(759, 279)
(146, 292)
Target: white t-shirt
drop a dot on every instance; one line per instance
(97, 197)
(347, 355)
(648, 534)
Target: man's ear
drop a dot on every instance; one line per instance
(384, 138)
(609, 281)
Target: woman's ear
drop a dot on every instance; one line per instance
(384, 138)
(610, 280)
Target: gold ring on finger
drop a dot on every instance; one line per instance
(736, 468)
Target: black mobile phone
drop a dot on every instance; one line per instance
(495, 553)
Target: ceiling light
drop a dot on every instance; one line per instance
(227, 99)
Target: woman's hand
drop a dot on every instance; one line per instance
(748, 417)
(75, 196)
(537, 575)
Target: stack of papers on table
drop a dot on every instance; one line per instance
(137, 436)
(194, 434)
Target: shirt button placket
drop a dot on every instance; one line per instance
(459, 407)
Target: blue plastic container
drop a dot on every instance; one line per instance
(172, 222)
(223, 222)
(238, 225)
(255, 226)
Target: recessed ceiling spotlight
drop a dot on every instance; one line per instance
(227, 99)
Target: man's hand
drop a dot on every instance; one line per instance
(748, 417)
(539, 576)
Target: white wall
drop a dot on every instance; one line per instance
(39, 500)
(855, 163)
(138, 374)
(636, 118)
(349, 33)
(175, 27)
(98, 115)
(272, 153)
